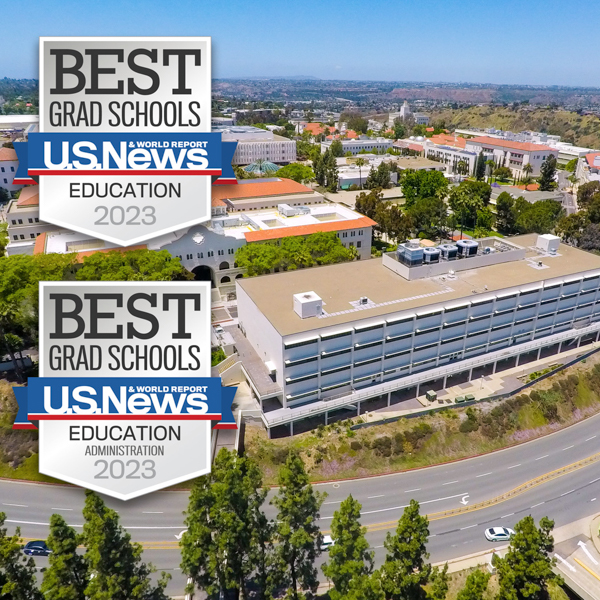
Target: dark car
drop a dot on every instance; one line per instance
(37, 548)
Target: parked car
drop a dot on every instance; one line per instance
(218, 329)
(499, 534)
(37, 548)
(327, 542)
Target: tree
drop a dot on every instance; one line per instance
(526, 569)
(423, 184)
(462, 167)
(480, 167)
(505, 217)
(349, 557)
(367, 203)
(220, 549)
(468, 198)
(336, 148)
(547, 174)
(590, 238)
(297, 532)
(475, 586)
(4, 196)
(503, 173)
(405, 570)
(360, 163)
(297, 172)
(66, 577)
(439, 583)
(399, 129)
(571, 227)
(133, 265)
(528, 169)
(571, 165)
(537, 217)
(355, 122)
(17, 572)
(428, 215)
(114, 562)
(491, 165)
(379, 177)
(586, 192)
(258, 259)
(319, 170)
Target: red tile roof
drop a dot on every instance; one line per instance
(527, 146)
(29, 196)
(443, 139)
(590, 159)
(282, 232)
(40, 243)
(256, 189)
(530, 187)
(430, 129)
(349, 133)
(7, 154)
(317, 128)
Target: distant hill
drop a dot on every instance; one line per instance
(581, 130)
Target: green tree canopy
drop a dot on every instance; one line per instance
(586, 192)
(349, 557)
(428, 215)
(336, 148)
(480, 167)
(297, 172)
(115, 562)
(297, 534)
(17, 572)
(547, 173)
(379, 177)
(66, 578)
(526, 569)
(134, 265)
(227, 533)
(475, 586)
(423, 184)
(406, 570)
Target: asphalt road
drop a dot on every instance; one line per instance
(155, 520)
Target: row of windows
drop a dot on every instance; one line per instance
(20, 221)
(21, 236)
(12, 170)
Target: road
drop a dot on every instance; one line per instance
(155, 520)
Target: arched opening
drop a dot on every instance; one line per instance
(225, 279)
(224, 266)
(204, 273)
(239, 276)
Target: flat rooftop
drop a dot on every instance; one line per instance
(341, 286)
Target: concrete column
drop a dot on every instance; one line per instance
(326, 417)
(358, 408)
(539, 353)
(291, 428)
(445, 381)
(579, 341)
(389, 398)
(517, 362)
(494, 367)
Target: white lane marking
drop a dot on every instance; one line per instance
(58, 508)
(536, 505)
(450, 482)
(594, 481)
(590, 438)
(540, 457)
(152, 512)
(371, 512)
(583, 546)
(569, 447)
(593, 500)
(380, 496)
(505, 516)
(469, 527)
(569, 492)
(377, 546)
(178, 527)
(19, 505)
(415, 490)
(484, 475)
(433, 535)
(179, 535)
(564, 562)
(514, 466)
(333, 502)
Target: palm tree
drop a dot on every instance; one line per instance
(360, 162)
(462, 167)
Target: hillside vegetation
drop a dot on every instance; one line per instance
(582, 130)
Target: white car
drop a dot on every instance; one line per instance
(499, 534)
(218, 329)
(327, 542)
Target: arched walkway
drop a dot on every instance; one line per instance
(204, 273)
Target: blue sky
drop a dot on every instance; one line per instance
(501, 41)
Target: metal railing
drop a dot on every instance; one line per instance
(410, 380)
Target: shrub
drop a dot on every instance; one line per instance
(355, 445)
(382, 445)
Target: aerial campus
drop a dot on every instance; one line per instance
(405, 293)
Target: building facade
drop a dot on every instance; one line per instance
(377, 336)
(258, 144)
(361, 144)
(8, 170)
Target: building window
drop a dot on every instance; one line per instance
(20, 221)
(14, 222)
(12, 169)
(230, 251)
(15, 237)
(22, 236)
(345, 234)
(31, 220)
(358, 244)
(210, 253)
(224, 266)
(37, 220)
(32, 235)
(6, 181)
(352, 233)
(200, 255)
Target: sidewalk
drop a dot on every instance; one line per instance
(483, 387)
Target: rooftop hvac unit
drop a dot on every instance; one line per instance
(431, 255)
(363, 300)
(410, 254)
(448, 251)
(308, 304)
(467, 248)
(548, 242)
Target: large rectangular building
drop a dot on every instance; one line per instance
(334, 338)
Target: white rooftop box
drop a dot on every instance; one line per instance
(307, 304)
(548, 242)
